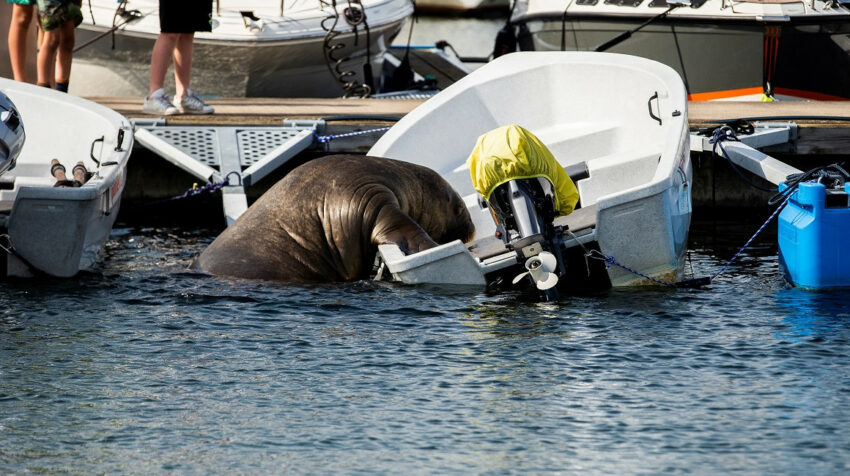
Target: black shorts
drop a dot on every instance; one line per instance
(185, 16)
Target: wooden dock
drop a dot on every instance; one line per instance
(270, 111)
(824, 126)
(823, 136)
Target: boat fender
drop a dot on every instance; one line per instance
(251, 21)
(506, 41)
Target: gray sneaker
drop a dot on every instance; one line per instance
(192, 104)
(158, 103)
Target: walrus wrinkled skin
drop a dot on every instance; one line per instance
(325, 219)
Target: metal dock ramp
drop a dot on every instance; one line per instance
(233, 156)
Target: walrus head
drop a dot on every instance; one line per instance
(444, 215)
(461, 226)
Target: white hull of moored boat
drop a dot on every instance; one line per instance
(276, 55)
(461, 6)
(59, 231)
(742, 50)
(621, 119)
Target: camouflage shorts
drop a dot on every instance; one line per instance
(55, 13)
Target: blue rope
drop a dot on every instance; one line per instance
(211, 187)
(726, 133)
(761, 228)
(328, 138)
(609, 260)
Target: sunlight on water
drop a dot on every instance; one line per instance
(145, 367)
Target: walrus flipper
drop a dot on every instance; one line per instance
(393, 226)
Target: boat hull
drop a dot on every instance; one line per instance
(287, 68)
(59, 231)
(621, 118)
(461, 6)
(718, 59)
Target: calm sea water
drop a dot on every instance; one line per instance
(143, 367)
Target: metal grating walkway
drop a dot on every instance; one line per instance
(205, 144)
(214, 154)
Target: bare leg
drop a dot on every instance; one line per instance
(80, 172)
(47, 56)
(64, 56)
(57, 170)
(18, 31)
(160, 59)
(183, 65)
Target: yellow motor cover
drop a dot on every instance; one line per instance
(510, 153)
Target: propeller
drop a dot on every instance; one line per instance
(540, 269)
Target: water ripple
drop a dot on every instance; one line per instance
(749, 376)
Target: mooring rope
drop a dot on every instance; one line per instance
(690, 283)
(325, 139)
(726, 133)
(9, 248)
(609, 260)
(211, 187)
(761, 228)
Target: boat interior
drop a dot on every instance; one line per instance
(95, 140)
(610, 147)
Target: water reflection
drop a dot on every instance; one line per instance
(376, 377)
(814, 313)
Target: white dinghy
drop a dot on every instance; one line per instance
(58, 231)
(257, 48)
(618, 126)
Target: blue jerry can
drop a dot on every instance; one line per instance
(814, 236)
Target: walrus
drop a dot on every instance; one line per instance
(324, 221)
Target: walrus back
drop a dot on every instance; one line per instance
(315, 224)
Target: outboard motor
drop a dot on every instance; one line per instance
(11, 133)
(524, 210)
(526, 189)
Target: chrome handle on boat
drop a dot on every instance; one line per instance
(91, 152)
(657, 105)
(119, 141)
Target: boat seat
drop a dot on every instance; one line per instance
(7, 182)
(28, 174)
(487, 247)
(579, 222)
(577, 171)
(580, 219)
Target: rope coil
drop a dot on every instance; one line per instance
(354, 15)
(727, 133)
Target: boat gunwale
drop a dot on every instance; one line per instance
(277, 35)
(115, 156)
(671, 19)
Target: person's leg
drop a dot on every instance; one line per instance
(47, 56)
(184, 98)
(18, 32)
(183, 65)
(156, 102)
(163, 49)
(64, 56)
(80, 174)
